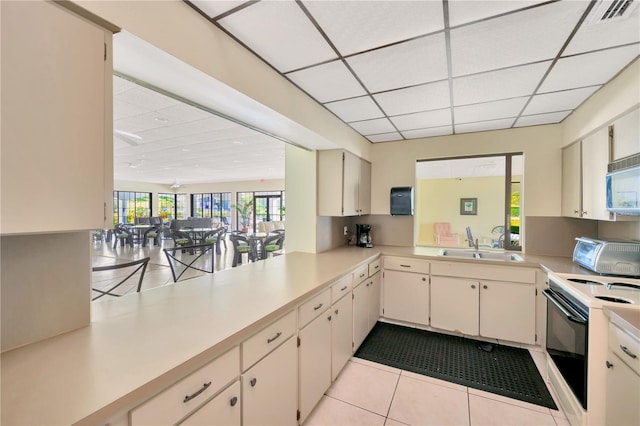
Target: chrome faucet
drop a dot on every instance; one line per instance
(475, 245)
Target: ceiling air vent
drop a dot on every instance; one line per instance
(612, 10)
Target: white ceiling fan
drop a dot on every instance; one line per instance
(175, 184)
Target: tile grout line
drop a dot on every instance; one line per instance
(395, 389)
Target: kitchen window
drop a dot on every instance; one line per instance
(464, 199)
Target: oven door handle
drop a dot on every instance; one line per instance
(564, 309)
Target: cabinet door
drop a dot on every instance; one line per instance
(455, 305)
(222, 410)
(341, 334)
(351, 178)
(406, 297)
(315, 362)
(626, 135)
(623, 393)
(53, 120)
(364, 188)
(374, 296)
(571, 180)
(508, 311)
(360, 314)
(270, 388)
(330, 182)
(595, 157)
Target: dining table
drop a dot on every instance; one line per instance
(139, 231)
(197, 234)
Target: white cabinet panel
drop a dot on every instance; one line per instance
(595, 157)
(53, 120)
(406, 296)
(572, 180)
(270, 388)
(455, 305)
(375, 300)
(626, 135)
(364, 188)
(351, 178)
(223, 410)
(366, 308)
(508, 311)
(267, 339)
(623, 393)
(315, 362)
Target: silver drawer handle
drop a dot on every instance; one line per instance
(343, 288)
(406, 266)
(278, 334)
(315, 308)
(628, 352)
(202, 389)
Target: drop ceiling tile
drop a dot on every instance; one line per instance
(122, 109)
(217, 7)
(328, 82)
(373, 127)
(463, 11)
(588, 69)
(501, 84)
(413, 99)
(355, 109)
(421, 120)
(558, 101)
(529, 36)
(427, 133)
(535, 120)
(147, 99)
(597, 34)
(489, 111)
(280, 33)
(485, 125)
(385, 137)
(356, 26)
(406, 64)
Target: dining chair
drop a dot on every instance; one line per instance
(181, 238)
(272, 244)
(241, 245)
(190, 260)
(122, 234)
(136, 267)
(217, 236)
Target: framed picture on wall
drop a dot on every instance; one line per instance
(468, 206)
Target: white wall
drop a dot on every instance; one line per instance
(301, 186)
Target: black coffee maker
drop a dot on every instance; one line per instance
(363, 235)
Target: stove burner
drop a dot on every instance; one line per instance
(634, 286)
(612, 299)
(581, 281)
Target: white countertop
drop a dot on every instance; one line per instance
(144, 342)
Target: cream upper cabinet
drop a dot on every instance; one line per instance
(56, 120)
(626, 135)
(584, 167)
(595, 157)
(344, 184)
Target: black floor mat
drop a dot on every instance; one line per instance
(494, 368)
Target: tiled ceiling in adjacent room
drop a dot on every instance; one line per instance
(396, 70)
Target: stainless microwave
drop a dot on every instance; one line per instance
(623, 186)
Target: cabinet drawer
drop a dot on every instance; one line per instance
(360, 274)
(267, 339)
(625, 346)
(406, 264)
(341, 287)
(223, 410)
(314, 307)
(170, 406)
(375, 266)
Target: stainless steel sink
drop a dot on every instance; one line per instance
(483, 254)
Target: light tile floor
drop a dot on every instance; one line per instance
(368, 393)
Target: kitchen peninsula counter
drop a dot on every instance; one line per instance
(139, 344)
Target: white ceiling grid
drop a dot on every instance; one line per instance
(397, 70)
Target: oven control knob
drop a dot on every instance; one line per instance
(609, 365)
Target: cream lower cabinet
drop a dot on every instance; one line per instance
(484, 300)
(341, 334)
(623, 378)
(223, 410)
(406, 296)
(315, 361)
(366, 308)
(455, 305)
(508, 311)
(270, 388)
